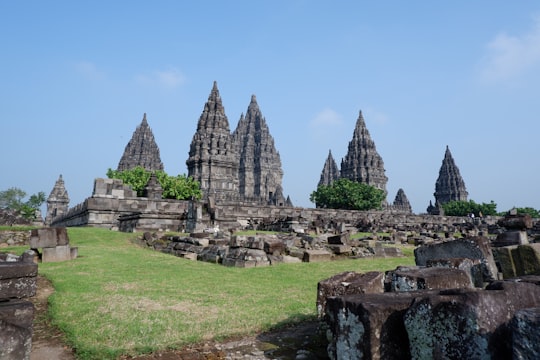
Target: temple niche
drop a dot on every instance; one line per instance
(141, 150)
(57, 202)
(449, 185)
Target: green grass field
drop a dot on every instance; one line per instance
(118, 298)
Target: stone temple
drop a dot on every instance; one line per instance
(57, 202)
(141, 150)
(363, 164)
(243, 165)
(449, 185)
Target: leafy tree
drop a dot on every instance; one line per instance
(180, 187)
(465, 208)
(12, 198)
(347, 194)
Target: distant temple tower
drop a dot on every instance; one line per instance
(401, 203)
(363, 163)
(330, 172)
(450, 185)
(259, 164)
(141, 150)
(57, 202)
(213, 160)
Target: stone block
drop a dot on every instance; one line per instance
(73, 253)
(238, 241)
(368, 326)
(16, 317)
(244, 257)
(471, 266)
(316, 256)
(471, 248)
(340, 249)
(274, 246)
(283, 259)
(516, 222)
(55, 254)
(48, 237)
(513, 237)
(527, 259)
(525, 335)
(505, 261)
(348, 283)
(213, 253)
(467, 323)
(341, 239)
(429, 278)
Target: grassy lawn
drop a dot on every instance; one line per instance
(117, 298)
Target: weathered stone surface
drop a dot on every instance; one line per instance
(243, 257)
(330, 171)
(141, 150)
(525, 334)
(401, 202)
(340, 249)
(341, 239)
(213, 253)
(55, 254)
(368, 326)
(505, 262)
(526, 259)
(473, 268)
(16, 317)
(348, 283)
(48, 237)
(467, 323)
(449, 185)
(429, 278)
(516, 222)
(362, 163)
(472, 248)
(18, 276)
(316, 256)
(513, 237)
(274, 246)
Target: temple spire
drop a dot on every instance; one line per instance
(330, 172)
(450, 185)
(141, 150)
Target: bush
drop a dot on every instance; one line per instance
(465, 208)
(349, 195)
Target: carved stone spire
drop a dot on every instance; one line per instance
(141, 150)
(401, 202)
(450, 185)
(330, 172)
(213, 160)
(259, 173)
(57, 202)
(362, 162)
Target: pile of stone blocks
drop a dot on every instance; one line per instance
(18, 275)
(54, 244)
(449, 306)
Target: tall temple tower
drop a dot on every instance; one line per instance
(401, 202)
(57, 202)
(213, 160)
(450, 185)
(363, 163)
(259, 164)
(330, 172)
(141, 150)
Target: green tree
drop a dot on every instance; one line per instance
(180, 187)
(12, 198)
(347, 194)
(465, 208)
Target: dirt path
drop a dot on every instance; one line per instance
(299, 342)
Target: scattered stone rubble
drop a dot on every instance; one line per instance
(18, 276)
(54, 244)
(456, 303)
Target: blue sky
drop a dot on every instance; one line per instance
(77, 78)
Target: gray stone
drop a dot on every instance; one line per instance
(449, 185)
(429, 278)
(525, 334)
(16, 317)
(55, 254)
(330, 172)
(316, 256)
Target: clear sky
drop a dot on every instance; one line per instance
(77, 77)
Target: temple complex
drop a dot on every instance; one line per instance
(57, 202)
(259, 164)
(401, 202)
(330, 172)
(141, 150)
(363, 163)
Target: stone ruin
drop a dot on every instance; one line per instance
(54, 245)
(18, 275)
(456, 303)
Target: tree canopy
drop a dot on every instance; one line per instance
(180, 187)
(347, 194)
(12, 198)
(465, 208)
